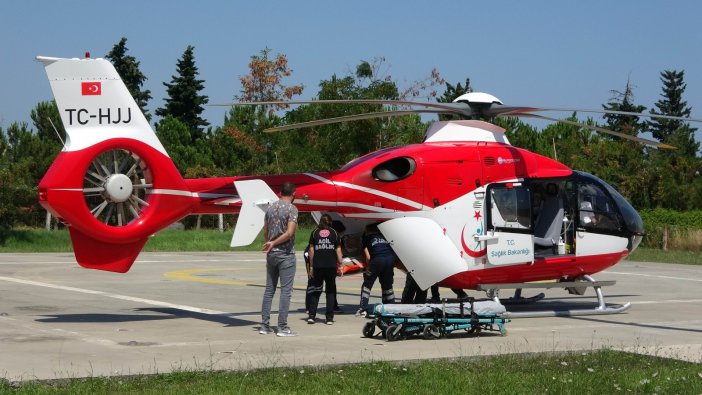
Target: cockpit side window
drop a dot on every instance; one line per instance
(395, 169)
(597, 211)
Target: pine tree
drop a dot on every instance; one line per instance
(128, 68)
(623, 101)
(183, 102)
(625, 162)
(671, 131)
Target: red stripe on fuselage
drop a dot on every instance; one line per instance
(541, 269)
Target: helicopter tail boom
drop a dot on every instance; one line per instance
(113, 183)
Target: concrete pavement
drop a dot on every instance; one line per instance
(201, 311)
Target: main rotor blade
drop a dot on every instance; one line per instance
(602, 130)
(459, 108)
(635, 114)
(348, 118)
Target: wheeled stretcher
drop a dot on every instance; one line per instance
(433, 321)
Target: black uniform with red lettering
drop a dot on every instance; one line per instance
(324, 242)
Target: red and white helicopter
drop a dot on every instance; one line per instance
(464, 208)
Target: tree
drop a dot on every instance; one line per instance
(25, 158)
(183, 101)
(128, 68)
(264, 83)
(258, 151)
(45, 117)
(669, 130)
(450, 94)
(176, 139)
(626, 160)
(623, 101)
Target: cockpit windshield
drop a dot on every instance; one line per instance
(601, 206)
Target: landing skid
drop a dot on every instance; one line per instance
(602, 308)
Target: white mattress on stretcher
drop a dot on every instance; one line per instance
(483, 307)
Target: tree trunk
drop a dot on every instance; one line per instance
(197, 224)
(48, 221)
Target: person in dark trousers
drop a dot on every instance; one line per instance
(412, 293)
(381, 259)
(325, 253)
(280, 224)
(436, 297)
(339, 228)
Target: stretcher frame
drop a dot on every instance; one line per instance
(437, 323)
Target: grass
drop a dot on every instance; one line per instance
(597, 372)
(39, 240)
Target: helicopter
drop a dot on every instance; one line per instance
(462, 209)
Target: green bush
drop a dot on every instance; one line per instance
(684, 228)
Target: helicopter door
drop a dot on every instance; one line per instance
(509, 235)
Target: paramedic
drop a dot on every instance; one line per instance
(325, 253)
(381, 259)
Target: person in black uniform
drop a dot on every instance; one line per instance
(325, 252)
(412, 292)
(381, 259)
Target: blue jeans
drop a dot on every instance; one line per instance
(279, 265)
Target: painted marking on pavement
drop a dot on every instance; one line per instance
(116, 296)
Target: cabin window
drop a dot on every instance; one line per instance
(395, 169)
(510, 207)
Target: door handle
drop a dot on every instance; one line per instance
(485, 237)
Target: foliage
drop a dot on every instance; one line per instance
(246, 148)
(177, 140)
(47, 120)
(25, 157)
(648, 178)
(128, 69)
(450, 94)
(183, 101)
(331, 146)
(673, 104)
(684, 228)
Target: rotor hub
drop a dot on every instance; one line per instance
(118, 188)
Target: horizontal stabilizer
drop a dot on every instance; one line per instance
(96, 254)
(424, 249)
(255, 196)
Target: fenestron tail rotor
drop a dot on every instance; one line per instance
(115, 187)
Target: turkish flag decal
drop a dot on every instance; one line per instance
(91, 88)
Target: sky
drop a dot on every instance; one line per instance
(569, 54)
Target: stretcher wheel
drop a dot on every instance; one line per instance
(369, 329)
(394, 333)
(431, 332)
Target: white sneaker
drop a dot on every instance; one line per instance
(310, 320)
(330, 322)
(286, 332)
(265, 329)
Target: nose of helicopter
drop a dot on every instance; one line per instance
(632, 220)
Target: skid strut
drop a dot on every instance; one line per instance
(601, 309)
